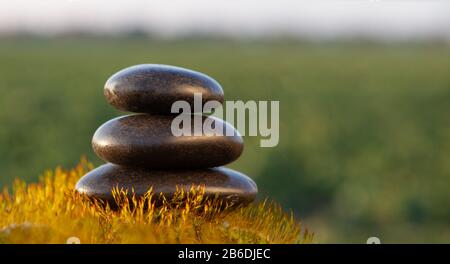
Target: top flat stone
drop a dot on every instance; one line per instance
(153, 88)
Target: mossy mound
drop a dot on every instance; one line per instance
(50, 211)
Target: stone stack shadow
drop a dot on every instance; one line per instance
(142, 153)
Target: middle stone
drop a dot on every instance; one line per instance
(147, 141)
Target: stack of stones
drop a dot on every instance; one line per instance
(142, 152)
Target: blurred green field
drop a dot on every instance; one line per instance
(364, 129)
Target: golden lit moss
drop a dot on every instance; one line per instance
(51, 212)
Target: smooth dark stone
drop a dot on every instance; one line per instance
(145, 140)
(229, 185)
(153, 88)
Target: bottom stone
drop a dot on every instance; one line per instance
(229, 185)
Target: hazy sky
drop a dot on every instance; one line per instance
(388, 18)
